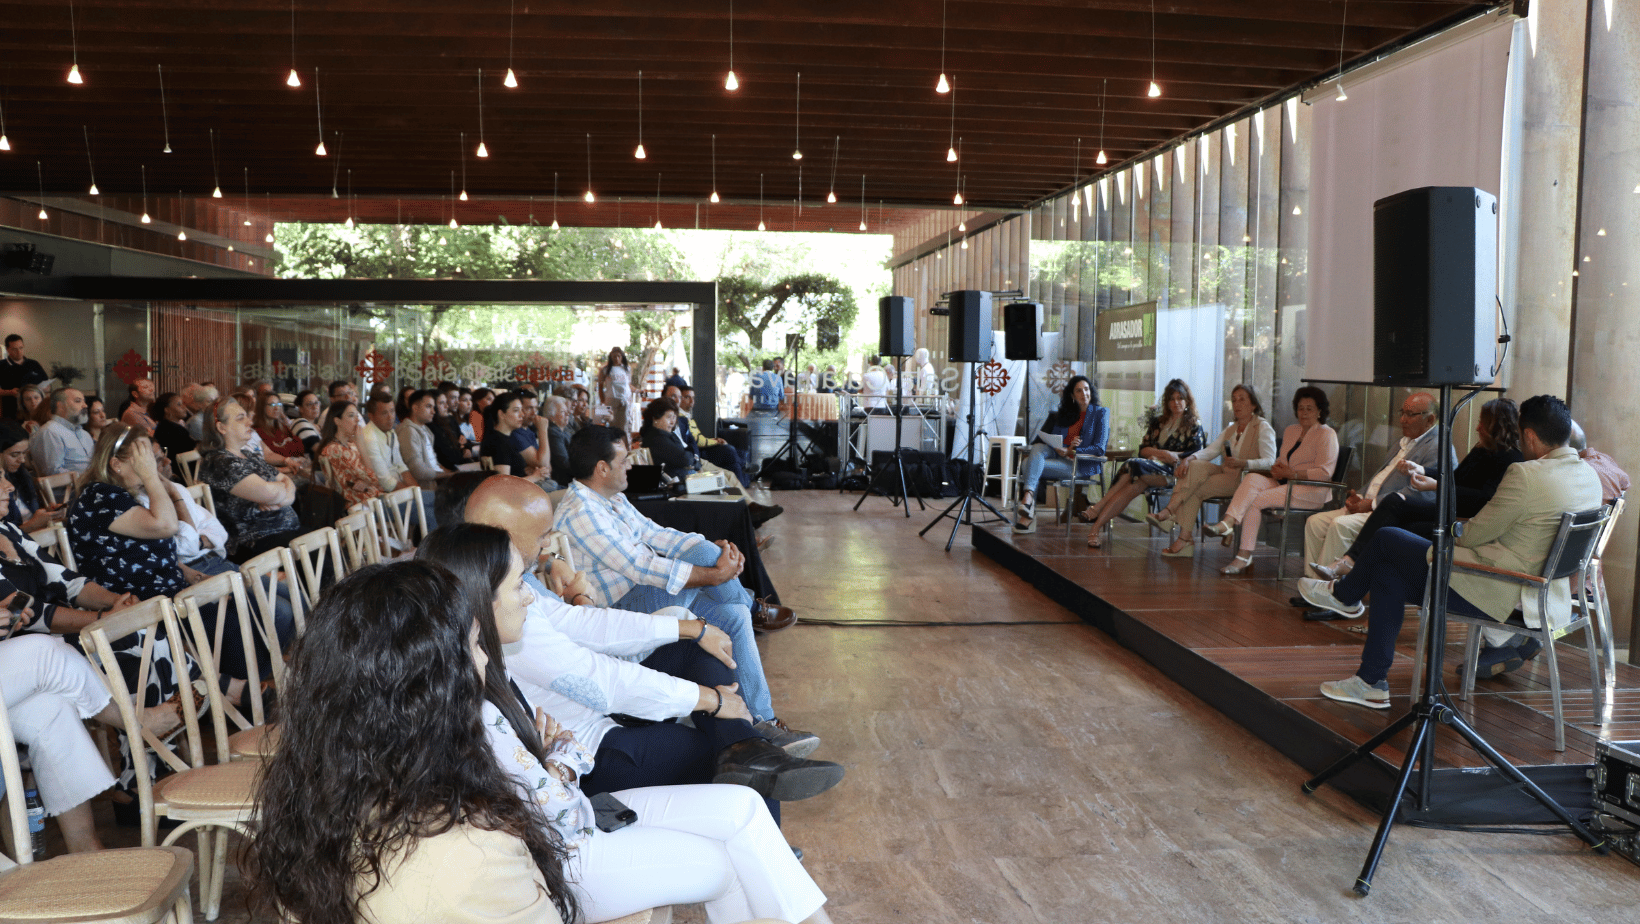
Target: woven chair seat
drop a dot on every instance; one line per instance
(215, 788)
(257, 742)
(132, 885)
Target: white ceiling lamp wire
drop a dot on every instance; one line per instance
(146, 218)
(957, 199)
(1342, 25)
(1155, 88)
(5, 143)
(182, 235)
(589, 197)
(714, 170)
(74, 44)
(797, 119)
(639, 153)
(731, 82)
(91, 164)
(951, 150)
(216, 173)
(1101, 160)
(293, 80)
(831, 196)
(555, 200)
(463, 166)
(40, 176)
(336, 169)
(943, 86)
(482, 150)
(1076, 178)
(760, 225)
(349, 222)
(511, 80)
(164, 114)
(319, 109)
(267, 209)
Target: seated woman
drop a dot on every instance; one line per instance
(447, 439)
(1497, 446)
(30, 400)
(1309, 452)
(28, 510)
(1249, 443)
(1174, 431)
(503, 416)
(405, 820)
(1069, 440)
(171, 425)
(253, 500)
(281, 447)
(340, 450)
(96, 416)
(704, 843)
(305, 424)
(659, 435)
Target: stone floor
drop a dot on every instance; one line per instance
(1040, 773)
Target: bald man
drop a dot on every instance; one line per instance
(577, 662)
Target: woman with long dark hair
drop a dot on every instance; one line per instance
(615, 388)
(340, 448)
(386, 803)
(710, 843)
(1075, 432)
(1172, 432)
(502, 417)
(28, 510)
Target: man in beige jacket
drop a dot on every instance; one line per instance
(1514, 531)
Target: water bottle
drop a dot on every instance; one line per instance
(36, 822)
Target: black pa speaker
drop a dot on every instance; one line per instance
(970, 326)
(826, 335)
(894, 326)
(1434, 292)
(1022, 322)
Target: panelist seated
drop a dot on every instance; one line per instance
(1174, 431)
(1071, 438)
(1247, 445)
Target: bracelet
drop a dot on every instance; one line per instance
(702, 631)
(719, 708)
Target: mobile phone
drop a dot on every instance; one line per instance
(612, 814)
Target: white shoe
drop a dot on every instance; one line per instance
(1320, 593)
(1358, 691)
(1218, 529)
(1237, 565)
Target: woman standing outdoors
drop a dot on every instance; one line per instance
(1249, 443)
(615, 388)
(1174, 432)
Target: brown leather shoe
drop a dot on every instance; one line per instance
(771, 617)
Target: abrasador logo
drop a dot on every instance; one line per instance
(1131, 329)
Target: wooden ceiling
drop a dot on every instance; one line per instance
(399, 83)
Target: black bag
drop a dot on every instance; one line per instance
(787, 481)
(319, 506)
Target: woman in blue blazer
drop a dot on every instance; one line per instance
(1069, 442)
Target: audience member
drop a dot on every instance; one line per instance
(417, 443)
(96, 416)
(28, 509)
(1072, 438)
(342, 390)
(504, 415)
(526, 437)
(1614, 482)
(1248, 444)
(394, 809)
(1309, 453)
(462, 411)
(35, 412)
(1173, 431)
(170, 430)
(340, 452)
(714, 450)
(60, 445)
(401, 403)
(659, 435)
(136, 413)
(379, 446)
(482, 398)
(558, 434)
(198, 398)
(16, 371)
(305, 425)
(253, 500)
(615, 390)
(449, 446)
(1513, 531)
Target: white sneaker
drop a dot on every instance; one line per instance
(1358, 691)
(1320, 593)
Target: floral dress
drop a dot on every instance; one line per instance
(1173, 440)
(347, 468)
(565, 806)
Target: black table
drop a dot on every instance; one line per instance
(717, 519)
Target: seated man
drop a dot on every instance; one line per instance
(1327, 535)
(62, 445)
(714, 450)
(1514, 531)
(576, 659)
(634, 563)
(1613, 480)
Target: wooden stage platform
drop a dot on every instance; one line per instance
(1237, 643)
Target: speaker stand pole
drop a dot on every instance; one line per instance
(964, 504)
(790, 446)
(899, 458)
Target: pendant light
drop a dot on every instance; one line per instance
(760, 225)
(40, 176)
(5, 143)
(511, 80)
(657, 202)
(90, 163)
(164, 115)
(145, 219)
(453, 224)
(951, 150)
(831, 195)
(639, 153)
(714, 170)
(942, 86)
(555, 200)
(216, 176)
(1342, 23)
(349, 222)
(589, 197)
(293, 80)
(731, 83)
(267, 208)
(1101, 159)
(862, 202)
(463, 166)
(247, 197)
(182, 235)
(1155, 88)
(797, 119)
(482, 150)
(1076, 178)
(74, 44)
(320, 110)
(336, 170)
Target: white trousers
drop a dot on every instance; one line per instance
(49, 690)
(703, 843)
(1329, 534)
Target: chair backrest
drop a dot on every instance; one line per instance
(1575, 542)
(640, 456)
(11, 773)
(358, 533)
(1343, 466)
(188, 463)
(311, 551)
(330, 479)
(225, 591)
(54, 488)
(162, 637)
(486, 463)
(1611, 526)
(54, 539)
(201, 493)
(558, 543)
(403, 508)
(263, 575)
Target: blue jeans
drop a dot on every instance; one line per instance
(1043, 464)
(727, 606)
(1393, 569)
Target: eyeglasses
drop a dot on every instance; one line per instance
(1407, 413)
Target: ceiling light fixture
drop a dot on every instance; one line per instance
(555, 200)
(349, 222)
(951, 151)
(1103, 91)
(657, 202)
(1343, 22)
(760, 225)
(942, 86)
(730, 83)
(293, 80)
(181, 234)
(639, 153)
(145, 219)
(510, 81)
(714, 170)
(216, 175)
(463, 166)
(862, 202)
(90, 163)
(40, 175)
(320, 110)
(589, 197)
(164, 116)
(1076, 177)
(482, 150)
(5, 143)
(1155, 88)
(453, 224)
(831, 196)
(74, 43)
(797, 119)
(267, 209)
(247, 197)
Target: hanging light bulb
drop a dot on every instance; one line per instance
(482, 150)
(320, 150)
(957, 199)
(760, 225)
(589, 197)
(293, 80)
(216, 193)
(965, 243)
(74, 74)
(862, 225)
(94, 190)
(268, 237)
(639, 153)
(657, 224)
(1076, 200)
(944, 86)
(510, 81)
(146, 219)
(348, 223)
(731, 82)
(1342, 96)
(554, 225)
(962, 226)
(182, 235)
(715, 196)
(831, 198)
(1101, 159)
(453, 224)
(797, 155)
(1297, 210)
(43, 215)
(442, 242)
(1155, 90)
(463, 195)
(5, 143)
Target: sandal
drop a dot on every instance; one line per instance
(1220, 528)
(1238, 565)
(1094, 540)
(1083, 514)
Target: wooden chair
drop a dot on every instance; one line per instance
(1291, 519)
(201, 493)
(188, 465)
(330, 478)
(54, 539)
(311, 551)
(227, 591)
(264, 575)
(401, 508)
(152, 882)
(54, 488)
(640, 456)
(486, 463)
(358, 534)
(207, 799)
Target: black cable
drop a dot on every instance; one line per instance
(1550, 829)
(918, 624)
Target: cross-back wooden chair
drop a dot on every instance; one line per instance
(358, 534)
(54, 489)
(319, 556)
(188, 466)
(201, 493)
(405, 516)
(54, 539)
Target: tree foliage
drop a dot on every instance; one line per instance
(800, 302)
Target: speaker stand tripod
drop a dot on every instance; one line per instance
(963, 506)
(1432, 706)
(789, 450)
(899, 456)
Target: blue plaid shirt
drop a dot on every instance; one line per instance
(621, 548)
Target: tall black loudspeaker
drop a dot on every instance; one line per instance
(1022, 322)
(894, 325)
(970, 326)
(1434, 266)
(825, 335)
